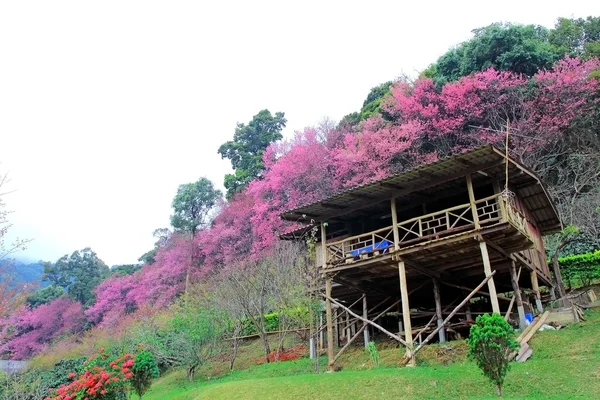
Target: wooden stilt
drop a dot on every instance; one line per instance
(405, 310)
(487, 268)
(514, 277)
(330, 359)
(468, 315)
(321, 334)
(438, 309)
(365, 316)
(536, 290)
(348, 331)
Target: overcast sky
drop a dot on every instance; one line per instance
(107, 106)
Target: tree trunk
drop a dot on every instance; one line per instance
(190, 373)
(233, 352)
(265, 340)
(499, 390)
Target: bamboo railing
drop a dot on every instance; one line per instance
(428, 227)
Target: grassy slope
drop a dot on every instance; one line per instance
(565, 365)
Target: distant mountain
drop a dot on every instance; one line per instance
(26, 273)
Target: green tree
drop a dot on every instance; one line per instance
(490, 341)
(246, 149)
(577, 37)
(519, 48)
(78, 274)
(192, 206)
(45, 295)
(144, 371)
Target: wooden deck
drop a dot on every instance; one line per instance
(451, 226)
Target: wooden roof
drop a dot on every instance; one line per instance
(427, 181)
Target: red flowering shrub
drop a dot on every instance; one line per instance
(104, 378)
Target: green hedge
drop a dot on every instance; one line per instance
(580, 269)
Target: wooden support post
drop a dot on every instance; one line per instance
(403, 286)
(487, 268)
(536, 290)
(330, 360)
(405, 310)
(336, 332)
(472, 201)
(365, 316)
(347, 330)
(438, 309)
(321, 334)
(514, 277)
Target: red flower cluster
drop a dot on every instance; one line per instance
(102, 378)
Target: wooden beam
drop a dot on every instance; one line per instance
(449, 317)
(487, 268)
(425, 271)
(472, 201)
(438, 309)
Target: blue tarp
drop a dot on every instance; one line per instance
(384, 244)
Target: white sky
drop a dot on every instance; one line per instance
(107, 106)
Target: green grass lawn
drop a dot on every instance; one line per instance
(565, 365)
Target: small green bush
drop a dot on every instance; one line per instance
(490, 342)
(144, 371)
(372, 349)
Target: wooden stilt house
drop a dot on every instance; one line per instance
(404, 251)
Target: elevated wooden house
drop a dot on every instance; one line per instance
(412, 245)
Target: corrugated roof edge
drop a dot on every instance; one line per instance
(491, 149)
(486, 149)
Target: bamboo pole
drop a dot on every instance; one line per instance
(329, 325)
(514, 277)
(536, 290)
(382, 329)
(438, 309)
(487, 268)
(365, 315)
(458, 307)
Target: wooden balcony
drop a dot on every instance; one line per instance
(435, 226)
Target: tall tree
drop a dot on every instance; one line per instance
(192, 205)
(78, 274)
(246, 149)
(523, 49)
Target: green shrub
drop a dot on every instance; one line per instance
(144, 370)
(373, 354)
(490, 341)
(580, 269)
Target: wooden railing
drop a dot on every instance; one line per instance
(427, 227)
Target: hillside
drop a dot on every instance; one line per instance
(566, 364)
(26, 272)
